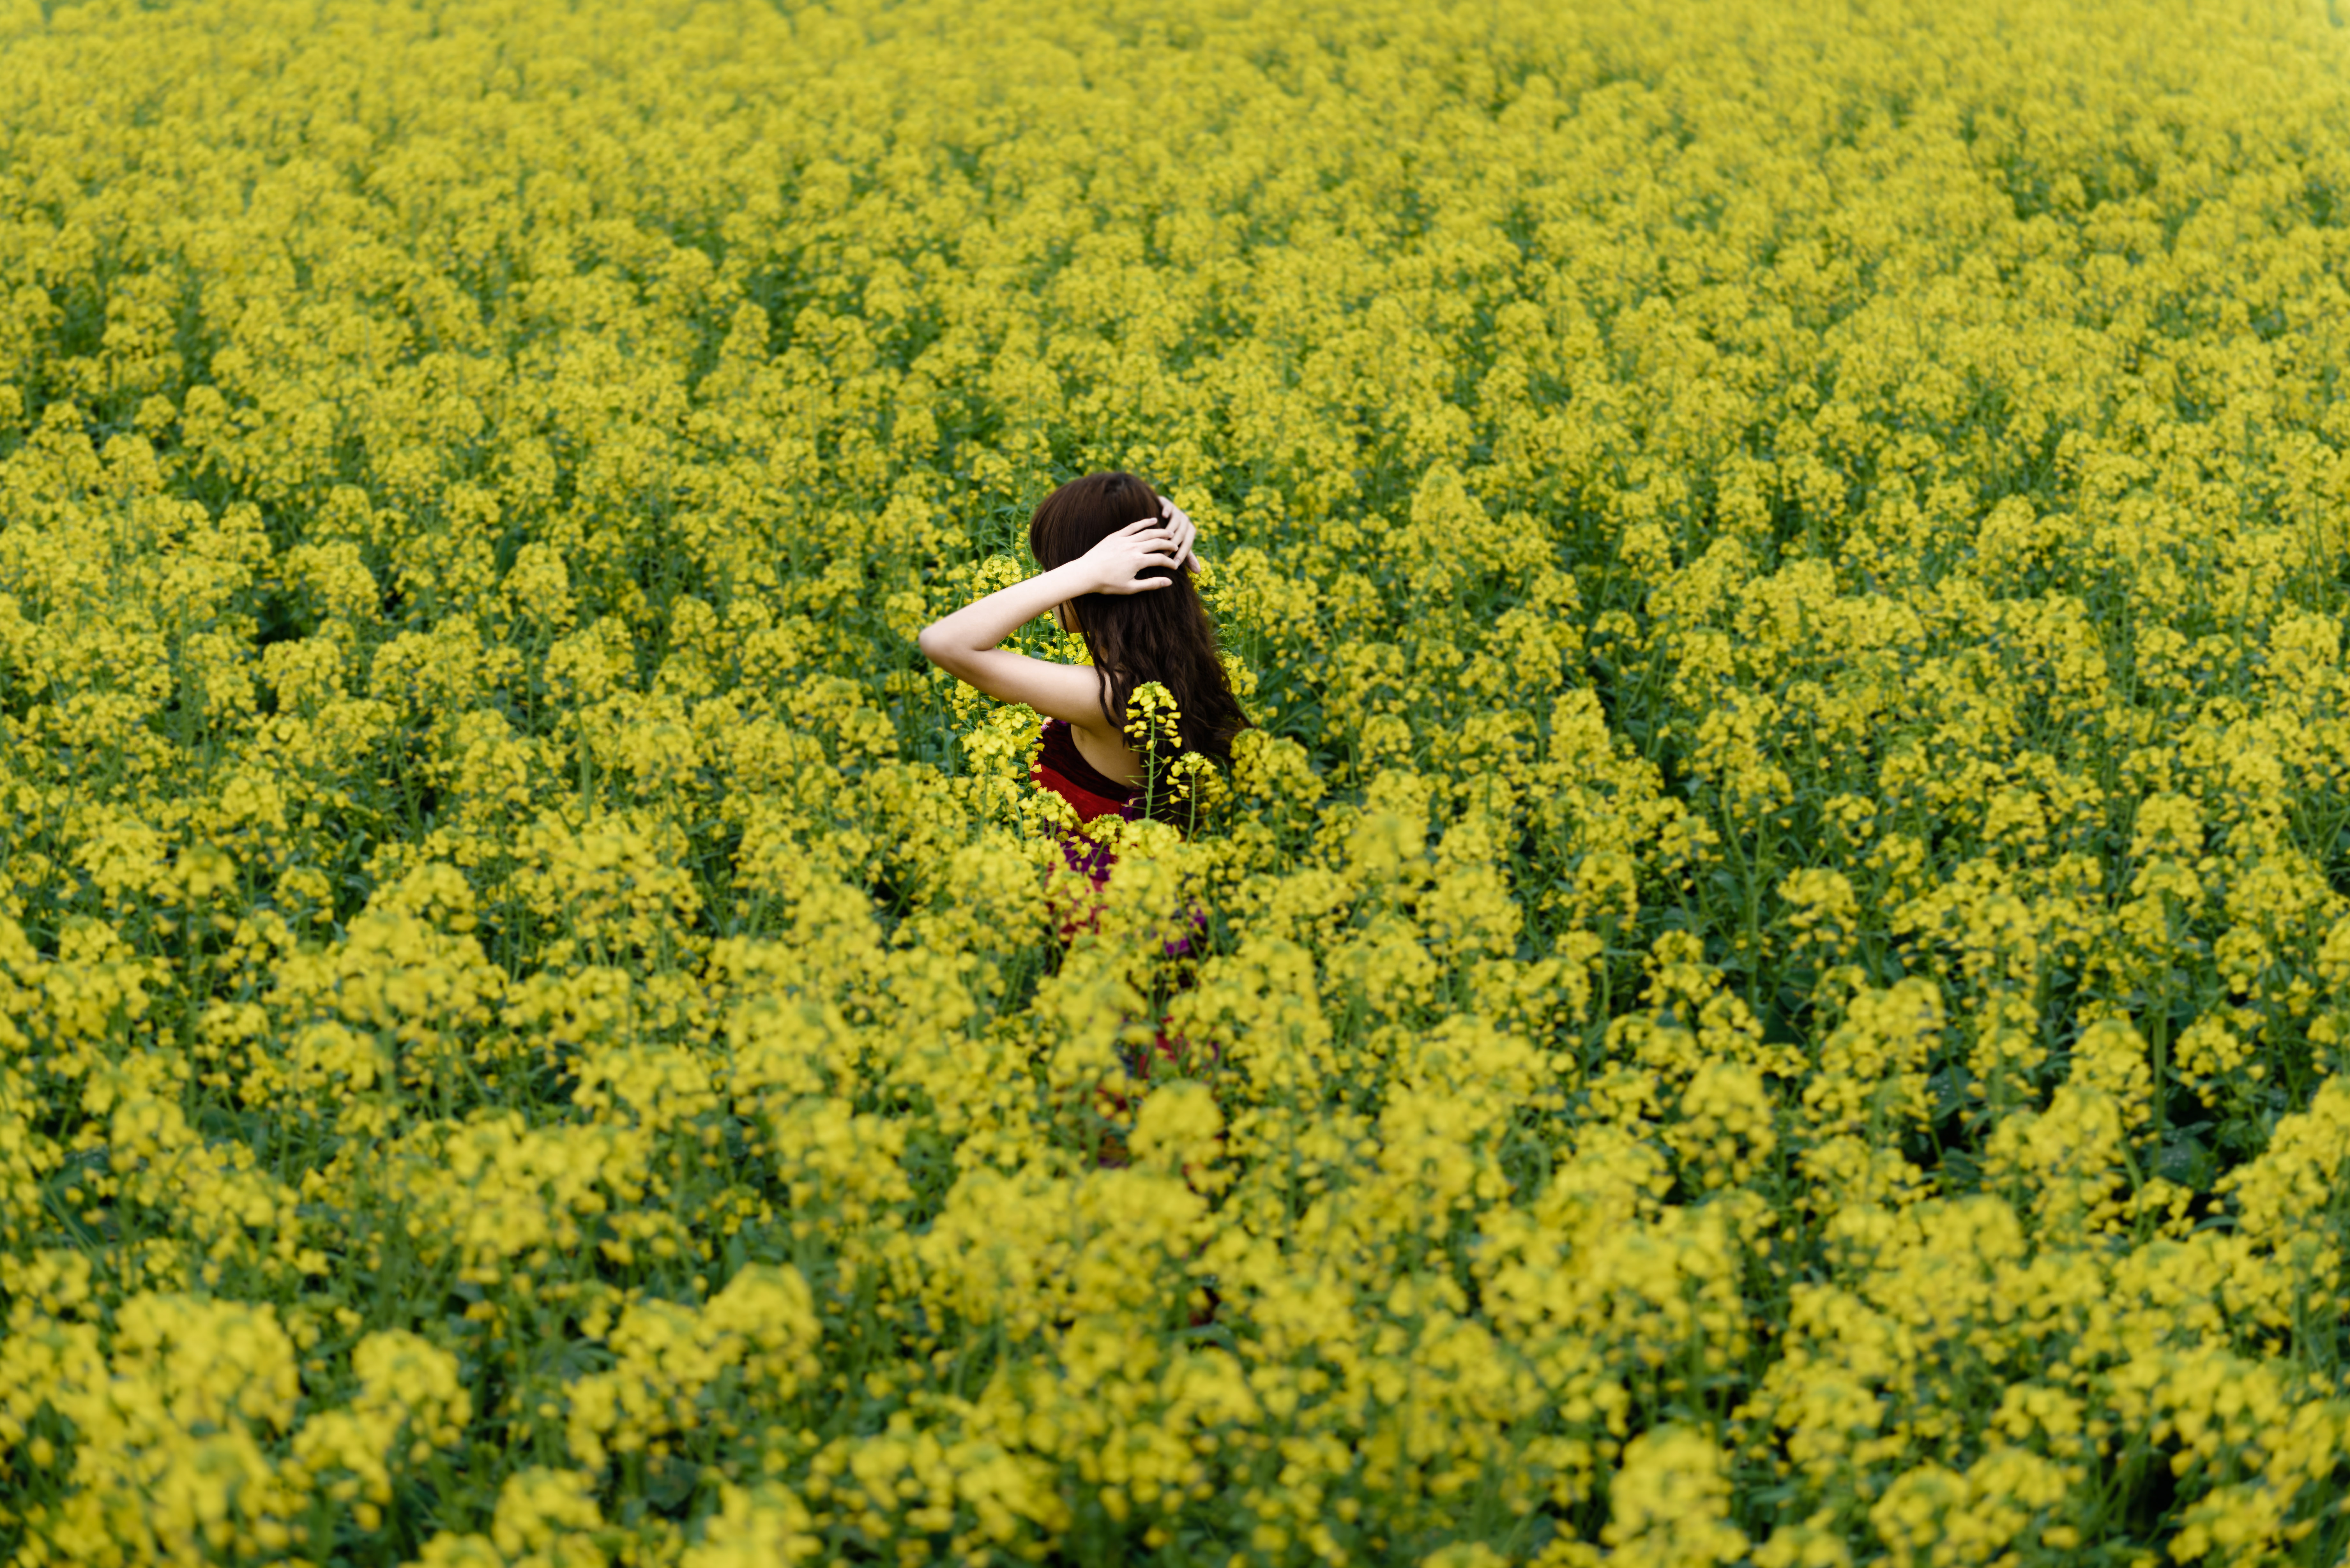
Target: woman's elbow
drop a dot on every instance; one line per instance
(936, 648)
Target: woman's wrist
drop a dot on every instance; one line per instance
(1072, 579)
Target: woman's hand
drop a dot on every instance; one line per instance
(1116, 564)
(1184, 532)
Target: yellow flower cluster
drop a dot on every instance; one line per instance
(1766, 988)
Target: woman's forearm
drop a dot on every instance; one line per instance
(985, 623)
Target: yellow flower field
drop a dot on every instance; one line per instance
(1775, 967)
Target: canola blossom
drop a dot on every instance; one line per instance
(1768, 987)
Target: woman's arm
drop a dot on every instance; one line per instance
(964, 643)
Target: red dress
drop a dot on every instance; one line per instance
(1063, 769)
(1092, 794)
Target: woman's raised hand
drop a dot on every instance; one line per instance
(1185, 532)
(1117, 563)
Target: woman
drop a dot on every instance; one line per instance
(1118, 571)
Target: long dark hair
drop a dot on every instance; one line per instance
(1158, 634)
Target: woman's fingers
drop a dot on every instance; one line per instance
(1181, 528)
(1173, 524)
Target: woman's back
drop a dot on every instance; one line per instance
(1063, 769)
